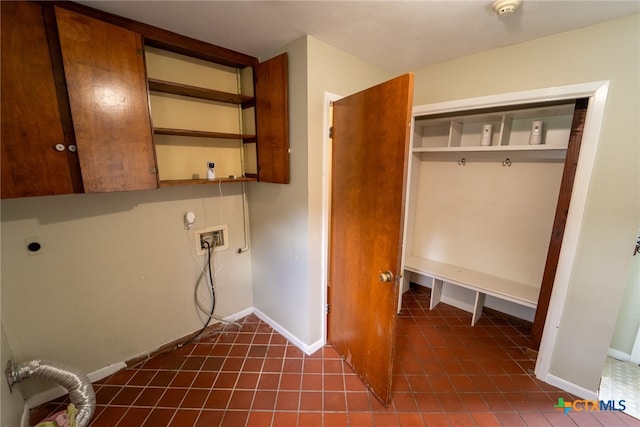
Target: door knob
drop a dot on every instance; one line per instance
(386, 276)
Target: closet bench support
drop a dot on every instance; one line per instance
(481, 283)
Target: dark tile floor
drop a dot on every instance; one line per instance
(447, 373)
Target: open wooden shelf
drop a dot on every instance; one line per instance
(202, 134)
(200, 93)
(171, 183)
(206, 111)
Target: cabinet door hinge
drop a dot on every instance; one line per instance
(331, 132)
(327, 309)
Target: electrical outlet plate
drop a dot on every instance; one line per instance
(33, 246)
(204, 231)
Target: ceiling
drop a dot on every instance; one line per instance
(397, 36)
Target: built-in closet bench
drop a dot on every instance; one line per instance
(483, 284)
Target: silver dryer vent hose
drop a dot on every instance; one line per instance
(73, 380)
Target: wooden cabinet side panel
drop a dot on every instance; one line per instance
(105, 73)
(272, 120)
(31, 123)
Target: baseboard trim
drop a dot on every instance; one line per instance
(141, 357)
(106, 371)
(572, 388)
(24, 421)
(45, 396)
(307, 349)
(312, 348)
(239, 315)
(619, 355)
(148, 354)
(59, 391)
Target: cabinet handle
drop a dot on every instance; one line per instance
(60, 147)
(73, 148)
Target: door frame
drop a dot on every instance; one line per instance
(597, 94)
(329, 98)
(634, 357)
(635, 352)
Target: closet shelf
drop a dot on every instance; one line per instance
(550, 153)
(202, 134)
(490, 149)
(465, 156)
(200, 93)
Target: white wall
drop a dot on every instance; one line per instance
(486, 217)
(286, 220)
(609, 51)
(116, 274)
(279, 224)
(628, 321)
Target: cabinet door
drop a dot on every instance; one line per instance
(272, 120)
(105, 74)
(31, 122)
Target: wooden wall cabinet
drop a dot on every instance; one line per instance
(74, 118)
(109, 107)
(240, 123)
(75, 106)
(272, 121)
(36, 159)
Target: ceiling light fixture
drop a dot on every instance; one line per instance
(505, 7)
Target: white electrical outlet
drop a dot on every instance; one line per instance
(217, 236)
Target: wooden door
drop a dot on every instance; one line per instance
(31, 118)
(369, 167)
(272, 120)
(105, 73)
